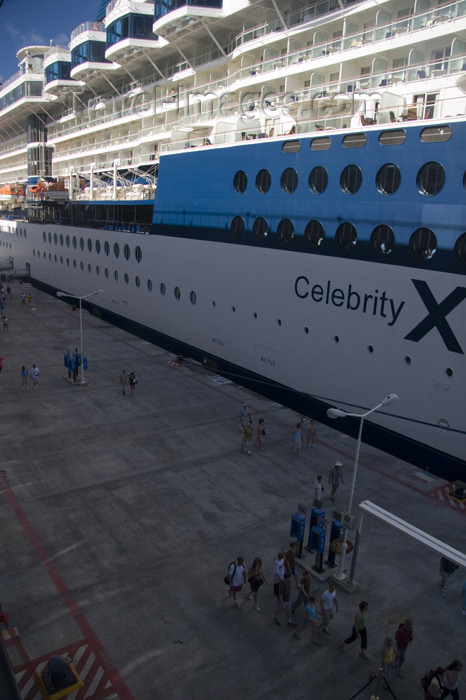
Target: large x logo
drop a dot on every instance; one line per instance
(436, 317)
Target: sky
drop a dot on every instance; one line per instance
(35, 22)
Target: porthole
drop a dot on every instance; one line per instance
(279, 321)
(138, 253)
(382, 239)
(237, 226)
(289, 180)
(89, 245)
(50, 237)
(354, 141)
(263, 181)
(61, 259)
(346, 236)
(449, 372)
(306, 330)
(254, 315)
(126, 251)
(388, 178)
(97, 246)
(50, 258)
(75, 242)
(213, 303)
(89, 268)
(285, 231)
(67, 240)
(44, 236)
(81, 243)
(423, 243)
(370, 348)
(81, 265)
(74, 264)
(137, 281)
(149, 285)
(322, 143)
(193, 298)
(407, 360)
(431, 179)
(55, 258)
(314, 233)
(107, 248)
(55, 238)
(116, 250)
(115, 275)
(392, 138)
(240, 181)
(260, 229)
(436, 134)
(351, 179)
(336, 338)
(106, 272)
(177, 293)
(68, 262)
(34, 252)
(291, 146)
(126, 278)
(318, 179)
(61, 239)
(163, 289)
(233, 309)
(97, 270)
(460, 248)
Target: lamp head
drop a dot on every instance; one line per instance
(391, 398)
(336, 413)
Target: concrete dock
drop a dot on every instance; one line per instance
(119, 516)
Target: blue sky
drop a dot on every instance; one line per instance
(28, 22)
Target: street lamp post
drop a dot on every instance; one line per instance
(339, 413)
(83, 296)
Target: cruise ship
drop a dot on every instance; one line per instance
(276, 190)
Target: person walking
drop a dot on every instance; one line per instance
(303, 593)
(319, 488)
(387, 659)
(359, 629)
(451, 678)
(29, 299)
(335, 476)
(311, 435)
(245, 440)
(278, 577)
(24, 377)
(260, 432)
(23, 299)
(328, 599)
(244, 417)
(123, 381)
(256, 578)
(403, 636)
(296, 448)
(237, 575)
(290, 561)
(34, 374)
(132, 381)
(5, 324)
(309, 620)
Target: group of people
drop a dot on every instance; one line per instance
(127, 380)
(245, 422)
(318, 614)
(32, 374)
(304, 436)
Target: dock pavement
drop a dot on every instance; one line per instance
(119, 516)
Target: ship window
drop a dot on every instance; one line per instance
(382, 239)
(116, 250)
(106, 272)
(68, 261)
(314, 233)
(115, 275)
(431, 179)
(138, 253)
(75, 242)
(81, 265)
(392, 138)
(435, 134)
(74, 263)
(260, 229)
(285, 231)
(423, 243)
(237, 226)
(289, 180)
(163, 289)
(126, 251)
(291, 146)
(89, 245)
(263, 181)
(61, 259)
(177, 292)
(55, 258)
(149, 285)
(346, 236)
(97, 270)
(61, 239)
(240, 181)
(322, 143)
(55, 238)
(354, 141)
(388, 178)
(107, 248)
(67, 239)
(137, 281)
(50, 258)
(460, 248)
(81, 243)
(193, 297)
(97, 246)
(126, 278)
(44, 236)
(351, 179)
(89, 268)
(50, 237)
(318, 179)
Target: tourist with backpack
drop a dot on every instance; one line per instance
(237, 576)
